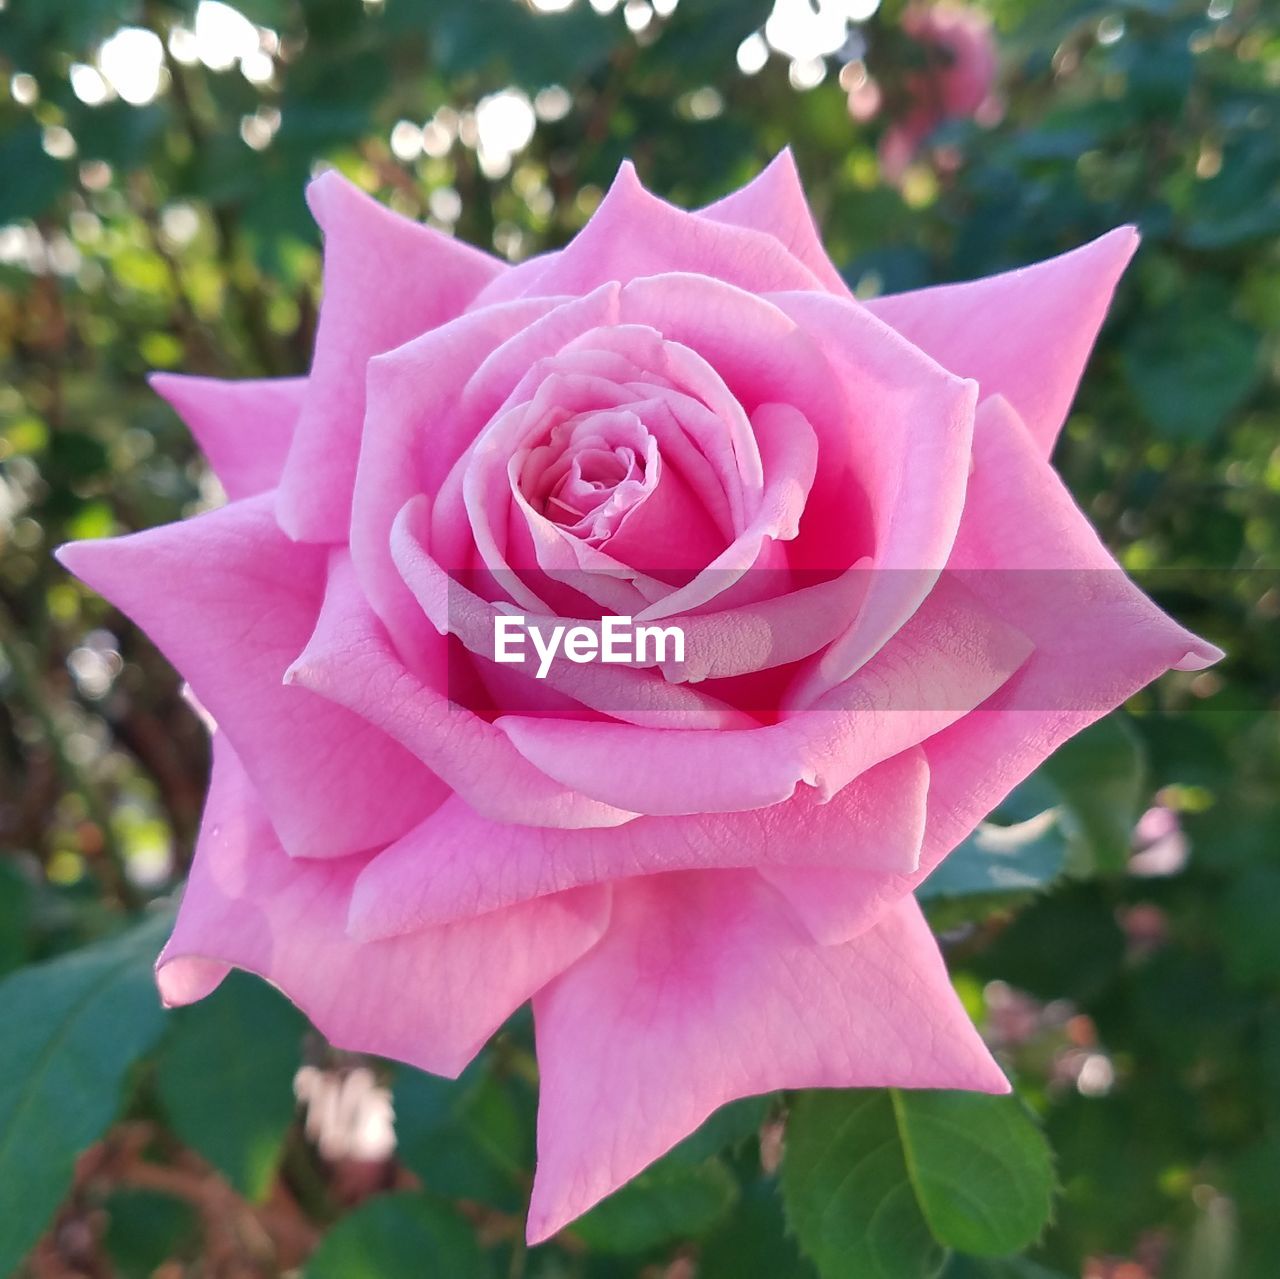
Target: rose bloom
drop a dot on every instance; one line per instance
(957, 83)
(702, 876)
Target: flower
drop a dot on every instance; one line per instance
(957, 81)
(701, 873)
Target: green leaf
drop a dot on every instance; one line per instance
(1191, 364)
(726, 1127)
(401, 1236)
(753, 1241)
(145, 1229)
(847, 1192)
(1250, 939)
(981, 1168)
(880, 1184)
(1100, 775)
(225, 1077)
(507, 40)
(43, 178)
(72, 1028)
(16, 897)
(669, 1201)
(465, 1138)
(1022, 857)
(1006, 1268)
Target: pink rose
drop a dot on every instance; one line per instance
(958, 81)
(700, 872)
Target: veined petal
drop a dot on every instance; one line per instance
(386, 280)
(1029, 553)
(1025, 334)
(456, 864)
(633, 234)
(244, 428)
(430, 998)
(705, 989)
(774, 201)
(350, 660)
(231, 602)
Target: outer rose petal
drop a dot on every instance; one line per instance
(349, 660)
(1032, 554)
(431, 998)
(704, 990)
(1025, 334)
(634, 234)
(1071, 597)
(230, 601)
(456, 864)
(386, 280)
(774, 201)
(243, 428)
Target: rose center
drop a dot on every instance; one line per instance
(592, 472)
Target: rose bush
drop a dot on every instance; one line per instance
(702, 874)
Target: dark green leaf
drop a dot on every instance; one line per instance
(534, 50)
(881, 1183)
(466, 1139)
(1023, 857)
(403, 1236)
(981, 1169)
(16, 899)
(1099, 774)
(72, 1028)
(847, 1192)
(753, 1241)
(146, 1229)
(1191, 364)
(726, 1127)
(669, 1201)
(43, 177)
(1251, 939)
(225, 1076)
(1003, 1268)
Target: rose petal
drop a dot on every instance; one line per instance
(456, 864)
(635, 696)
(243, 428)
(789, 456)
(386, 280)
(763, 356)
(430, 998)
(911, 428)
(230, 601)
(1031, 554)
(349, 659)
(951, 656)
(445, 386)
(704, 990)
(634, 234)
(1025, 334)
(774, 201)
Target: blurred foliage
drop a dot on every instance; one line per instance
(1133, 992)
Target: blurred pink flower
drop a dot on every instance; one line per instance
(1159, 844)
(958, 82)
